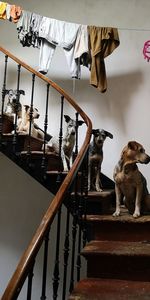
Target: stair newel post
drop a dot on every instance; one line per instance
(58, 180)
(14, 142)
(43, 164)
(56, 274)
(3, 96)
(66, 254)
(45, 261)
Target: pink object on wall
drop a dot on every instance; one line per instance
(146, 50)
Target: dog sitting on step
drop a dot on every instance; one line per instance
(96, 158)
(23, 125)
(68, 142)
(13, 106)
(130, 184)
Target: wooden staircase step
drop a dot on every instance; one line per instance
(110, 289)
(100, 202)
(118, 259)
(117, 248)
(124, 227)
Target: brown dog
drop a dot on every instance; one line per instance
(96, 158)
(130, 184)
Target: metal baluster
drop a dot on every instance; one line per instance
(14, 142)
(45, 260)
(76, 142)
(56, 277)
(31, 113)
(85, 197)
(30, 280)
(43, 164)
(66, 255)
(78, 264)
(75, 215)
(58, 180)
(3, 97)
(74, 232)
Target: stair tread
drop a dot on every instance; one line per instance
(96, 196)
(125, 217)
(117, 248)
(110, 289)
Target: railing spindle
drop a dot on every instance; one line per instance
(31, 114)
(30, 280)
(3, 97)
(14, 142)
(56, 277)
(45, 260)
(66, 255)
(43, 164)
(58, 180)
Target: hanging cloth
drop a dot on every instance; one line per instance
(102, 42)
(3, 6)
(15, 13)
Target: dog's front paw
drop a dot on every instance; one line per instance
(136, 214)
(116, 213)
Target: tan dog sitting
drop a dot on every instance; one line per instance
(130, 184)
(23, 125)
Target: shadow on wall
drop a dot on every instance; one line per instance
(113, 104)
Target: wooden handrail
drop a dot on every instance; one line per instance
(27, 259)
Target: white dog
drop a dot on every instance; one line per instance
(23, 125)
(68, 142)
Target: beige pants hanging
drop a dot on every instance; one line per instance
(102, 42)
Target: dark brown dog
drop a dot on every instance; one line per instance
(130, 184)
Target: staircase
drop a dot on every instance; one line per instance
(118, 259)
(117, 250)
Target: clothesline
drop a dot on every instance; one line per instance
(85, 45)
(133, 29)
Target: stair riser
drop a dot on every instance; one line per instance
(119, 231)
(119, 267)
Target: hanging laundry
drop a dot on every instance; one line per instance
(57, 33)
(3, 6)
(35, 22)
(28, 29)
(8, 12)
(23, 28)
(15, 13)
(81, 51)
(103, 41)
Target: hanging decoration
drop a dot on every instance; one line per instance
(146, 50)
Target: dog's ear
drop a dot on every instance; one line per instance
(26, 107)
(108, 134)
(132, 145)
(80, 122)
(7, 91)
(22, 92)
(94, 131)
(67, 118)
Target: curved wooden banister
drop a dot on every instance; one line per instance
(27, 259)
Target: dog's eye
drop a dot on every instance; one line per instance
(141, 150)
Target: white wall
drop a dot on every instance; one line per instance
(124, 108)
